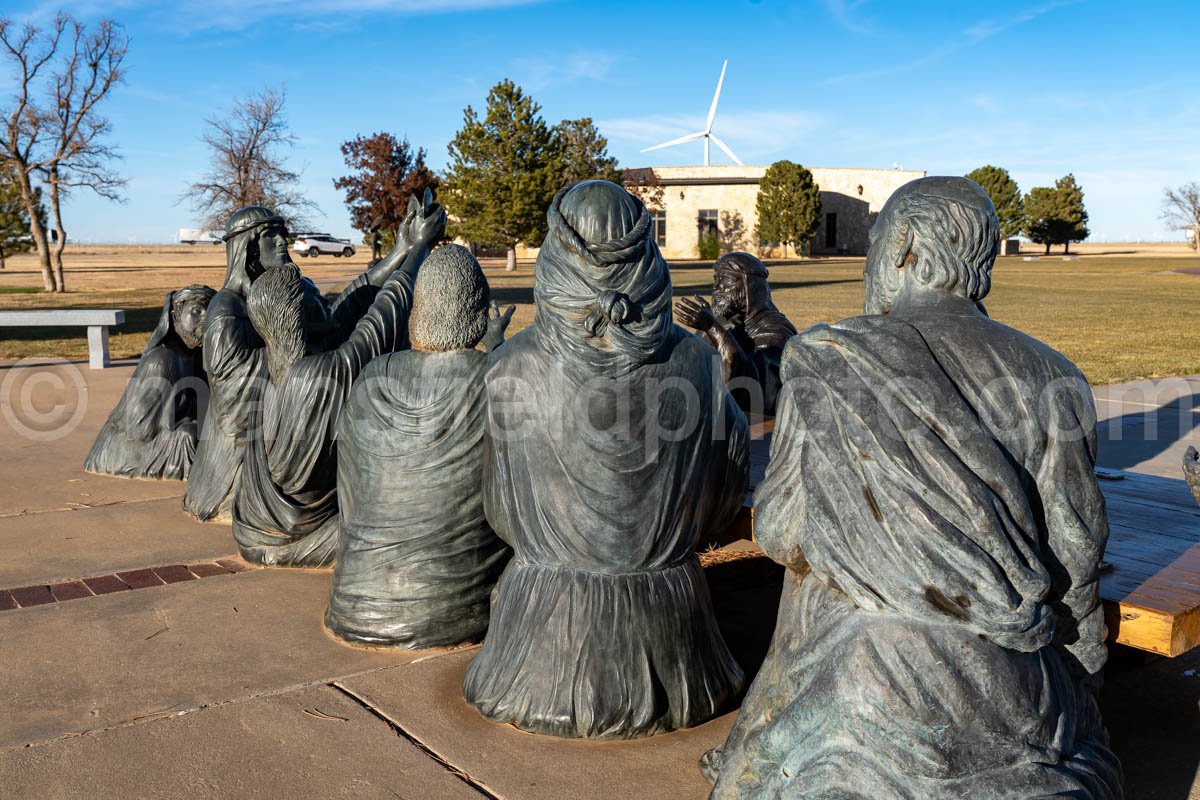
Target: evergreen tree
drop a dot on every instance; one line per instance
(1006, 197)
(1056, 215)
(504, 170)
(788, 206)
(386, 174)
(584, 152)
(16, 233)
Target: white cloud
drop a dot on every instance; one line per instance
(975, 34)
(847, 14)
(535, 74)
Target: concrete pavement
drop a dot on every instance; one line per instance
(228, 686)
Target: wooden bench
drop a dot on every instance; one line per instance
(96, 320)
(1151, 594)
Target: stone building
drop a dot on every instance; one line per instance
(721, 199)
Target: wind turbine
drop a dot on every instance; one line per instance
(707, 134)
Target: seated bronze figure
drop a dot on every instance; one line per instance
(235, 358)
(416, 560)
(613, 447)
(285, 510)
(931, 492)
(745, 327)
(152, 431)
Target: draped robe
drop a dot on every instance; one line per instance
(944, 642)
(416, 560)
(236, 364)
(285, 511)
(152, 431)
(603, 625)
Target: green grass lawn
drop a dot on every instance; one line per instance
(1118, 317)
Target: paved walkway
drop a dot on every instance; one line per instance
(203, 681)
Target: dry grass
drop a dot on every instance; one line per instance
(1119, 316)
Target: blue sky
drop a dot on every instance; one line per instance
(1101, 88)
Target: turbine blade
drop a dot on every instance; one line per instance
(712, 110)
(690, 137)
(728, 152)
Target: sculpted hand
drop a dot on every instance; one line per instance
(497, 325)
(424, 224)
(696, 313)
(428, 224)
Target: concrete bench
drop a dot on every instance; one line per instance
(96, 320)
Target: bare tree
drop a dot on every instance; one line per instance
(248, 166)
(1181, 209)
(52, 132)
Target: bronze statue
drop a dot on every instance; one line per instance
(613, 446)
(745, 327)
(931, 491)
(234, 354)
(416, 560)
(285, 511)
(152, 431)
(1191, 471)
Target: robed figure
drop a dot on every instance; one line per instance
(931, 491)
(745, 327)
(416, 559)
(285, 510)
(234, 352)
(152, 431)
(614, 446)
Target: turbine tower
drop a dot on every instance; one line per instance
(707, 134)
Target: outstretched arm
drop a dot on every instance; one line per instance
(696, 313)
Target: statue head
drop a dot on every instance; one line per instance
(939, 234)
(188, 308)
(450, 302)
(739, 286)
(181, 322)
(602, 290)
(255, 241)
(275, 303)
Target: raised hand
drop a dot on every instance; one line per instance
(497, 325)
(696, 313)
(428, 225)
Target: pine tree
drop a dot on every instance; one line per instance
(505, 169)
(584, 152)
(386, 174)
(1073, 212)
(1056, 215)
(788, 206)
(16, 234)
(1006, 197)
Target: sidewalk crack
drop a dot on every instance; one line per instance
(400, 731)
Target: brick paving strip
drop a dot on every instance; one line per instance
(27, 596)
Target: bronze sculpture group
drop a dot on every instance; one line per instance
(940, 632)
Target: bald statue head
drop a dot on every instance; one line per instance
(450, 302)
(939, 234)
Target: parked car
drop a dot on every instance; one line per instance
(317, 243)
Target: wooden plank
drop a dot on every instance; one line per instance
(1152, 594)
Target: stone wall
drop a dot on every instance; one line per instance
(855, 196)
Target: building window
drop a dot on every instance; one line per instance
(706, 222)
(831, 231)
(660, 228)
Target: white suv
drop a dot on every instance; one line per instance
(318, 243)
